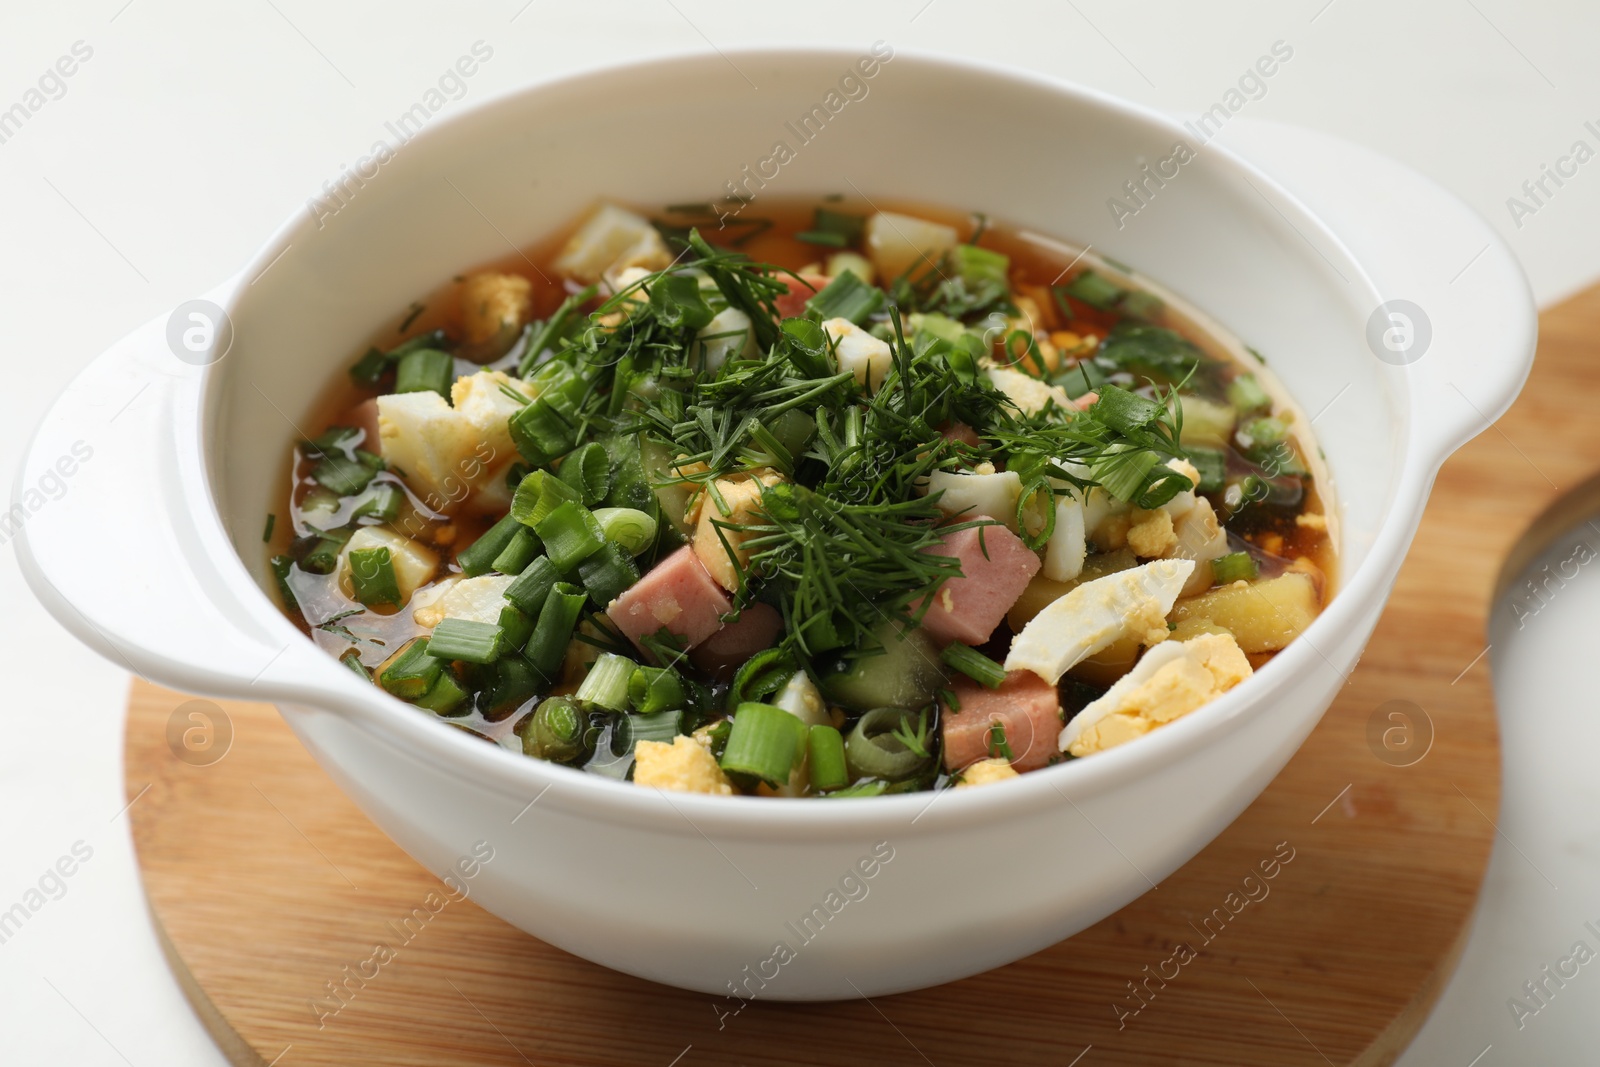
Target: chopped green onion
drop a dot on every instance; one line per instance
(1121, 469)
(977, 265)
(334, 441)
(372, 576)
(679, 304)
(282, 567)
(661, 726)
(655, 689)
(541, 432)
(444, 696)
(607, 573)
(533, 585)
(351, 657)
(974, 664)
(631, 528)
(1095, 290)
(432, 339)
(1246, 394)
(556, 731)
(1139, 304)
(546, 335)
(516, 626)
(382, 502)
(873, 788)
(347, 476)
(844, 224)
(846, 297)
(465, 639)
(319, 507)
(538, 495)
(553, 632)
(478, 558)
(825, 752)
(874, 748)
(570, 534)
(425, 370)
(1234, 567)
(760, 676)
(822, 237)
(515, 681)
(324, 555)
(606, 684)
(370, 367)
(519, 551)
(764, 743)
(413, 672)
(998, 745)
(266, 535)
(1212, 463)
(1264, 432)
(587, 471)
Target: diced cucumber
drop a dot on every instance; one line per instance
(905, 675)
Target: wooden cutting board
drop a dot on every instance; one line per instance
(265, 882)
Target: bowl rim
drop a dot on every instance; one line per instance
(418, 736)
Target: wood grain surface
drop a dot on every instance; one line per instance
(265, 881)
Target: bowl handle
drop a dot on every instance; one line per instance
(117, 537)
(1462, 333)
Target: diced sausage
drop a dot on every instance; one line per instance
(961, 433)
(756, 630)
(995, 566)
(1026, 707)
(793, 303)
(676, 593)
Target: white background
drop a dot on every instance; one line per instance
(196, 128)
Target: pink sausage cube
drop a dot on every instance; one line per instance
(793, 303)
(1025, 705)
(677, 593)
(995, 567)
(756, 631)
(961, 433)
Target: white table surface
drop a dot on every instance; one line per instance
(194, 128)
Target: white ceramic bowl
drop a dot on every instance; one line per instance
(1293, 256)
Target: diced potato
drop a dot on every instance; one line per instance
(414, 564)
(611, 239)
(1262, 616)
(1042, 591)
(1110, 663)
(897, 243)
(1195, 626)
(494, 308)
(854, 262)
